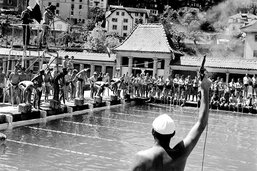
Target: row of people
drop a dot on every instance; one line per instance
(65, 85)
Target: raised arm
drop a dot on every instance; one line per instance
(195, 133)
(84, 70)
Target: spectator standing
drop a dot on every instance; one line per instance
(246, 83)
(232, 86)
(2, 82)
(14, 79)
(238, 86)
(93, 88)
(48, 18)
(26, 20)
(254, 81)
(58, 83)
(65, 62)
(71, 63)
(48, 79)
(38, 83)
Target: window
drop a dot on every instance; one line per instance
(114, 19)
(123, 13)
(57, 4)
(49, 3)
(125, 27)
(72, 6)
(114, 27)
(255, 53)
(80, 6)
(125, 20)
(72, 0)
(142, 14)
(124, 34)
(57, 12)
(80, 0)
(72, 13)
(117, 13)
(83, 20)
(255, 37)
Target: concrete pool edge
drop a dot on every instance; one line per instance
(11, 125)
(211, 110)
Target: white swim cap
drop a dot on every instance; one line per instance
(163, 124)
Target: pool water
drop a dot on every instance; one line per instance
(108, 140)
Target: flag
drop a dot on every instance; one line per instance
(36, 11)
(108, 51)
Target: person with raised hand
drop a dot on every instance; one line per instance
(161, 156)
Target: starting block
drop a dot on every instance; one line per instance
(98, 99)
(79, 102)
(55, 104)
(24, 108)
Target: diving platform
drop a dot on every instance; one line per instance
(10, 116)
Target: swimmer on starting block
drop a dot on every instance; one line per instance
(161, 156)
(26, 88)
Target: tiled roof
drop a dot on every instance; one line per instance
(90, 56)
(252, 27)
(139, 10)
(109, 13)
(130, 9)
(146, 38)
(243, 16)
(77, 55)
(217, 62)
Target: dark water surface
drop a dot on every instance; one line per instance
(107, 140)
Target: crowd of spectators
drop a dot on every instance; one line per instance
(239, 95)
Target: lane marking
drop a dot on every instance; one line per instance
(116, 128)
(68, 151)
(84, 136)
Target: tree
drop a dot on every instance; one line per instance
(95, 16)
(112, 40)
(96, 40)
(99, 40)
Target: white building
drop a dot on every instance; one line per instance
(250, 47)
(147, 50)
(122, 20)
(102, 4)
(235, 22)
(59, 25)
(75, 11)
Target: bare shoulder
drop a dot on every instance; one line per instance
(146, 159)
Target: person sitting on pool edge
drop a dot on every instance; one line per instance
(161, 156)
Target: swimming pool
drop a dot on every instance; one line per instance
(108, 140)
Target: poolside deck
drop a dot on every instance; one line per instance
(10, 115)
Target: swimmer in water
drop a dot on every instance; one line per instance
(161, 156)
